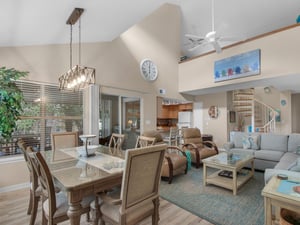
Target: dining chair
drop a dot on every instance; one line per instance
(64, 140)
(35, 190)
(143, 141)
(199, 149)
(138, 197)
(173, 138)
(116, 142)
(55, 206)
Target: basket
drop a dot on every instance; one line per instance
(288, 217)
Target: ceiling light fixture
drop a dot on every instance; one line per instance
(77, 77)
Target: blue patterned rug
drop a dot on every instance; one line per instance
(215, 204)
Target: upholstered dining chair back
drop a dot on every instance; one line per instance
(116, 141)
(143, 141)
(141, 176)
(139, 197)
(64, 140)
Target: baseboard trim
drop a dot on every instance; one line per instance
(14, 187)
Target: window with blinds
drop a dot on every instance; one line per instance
(46, 110)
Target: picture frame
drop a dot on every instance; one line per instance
(213, 112)
(237, 66)
(232, 116)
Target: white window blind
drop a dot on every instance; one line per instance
(46, 110)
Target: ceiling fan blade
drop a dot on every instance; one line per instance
(194, 37)
(217, 46)
(199, 45)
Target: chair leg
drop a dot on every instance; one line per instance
(155, 215)
(34, 209)
(96, 211)
(31, 196)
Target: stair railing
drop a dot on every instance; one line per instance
(265, 114)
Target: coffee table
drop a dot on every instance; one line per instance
(233, 165)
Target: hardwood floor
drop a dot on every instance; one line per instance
(13, 207)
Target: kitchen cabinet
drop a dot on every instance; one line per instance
(185, 107)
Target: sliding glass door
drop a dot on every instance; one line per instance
(119, 114)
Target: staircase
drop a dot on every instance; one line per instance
(261, 116)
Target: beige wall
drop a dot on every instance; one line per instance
(13, 173)
(217, 126)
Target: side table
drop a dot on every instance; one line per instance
(274, 198)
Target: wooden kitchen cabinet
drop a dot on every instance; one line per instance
(185, 107)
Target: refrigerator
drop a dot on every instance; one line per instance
(185, 119)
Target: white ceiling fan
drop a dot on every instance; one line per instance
(210, 38)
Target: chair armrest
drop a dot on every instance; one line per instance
(190, 145)
(211, 144)
(109, 199)
(171, 149)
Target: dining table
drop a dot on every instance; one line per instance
(79, 176)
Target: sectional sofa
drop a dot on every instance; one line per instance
(273, 153)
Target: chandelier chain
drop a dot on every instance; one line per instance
(71, 31)
(79, 60)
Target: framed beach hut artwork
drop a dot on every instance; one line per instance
(242, 65)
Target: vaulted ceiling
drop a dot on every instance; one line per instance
(36, 22)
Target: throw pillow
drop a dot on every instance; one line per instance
(246, 143)
(254, 142)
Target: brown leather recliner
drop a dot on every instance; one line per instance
(175, 161)
(198, 148)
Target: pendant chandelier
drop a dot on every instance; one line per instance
(77, 77)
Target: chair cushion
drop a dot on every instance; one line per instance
(177, 160)
(154, 133)
(268, 155)
(61, 205)
(112, 211)
(207, 152)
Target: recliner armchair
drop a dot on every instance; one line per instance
(198, 148)
(175, 161)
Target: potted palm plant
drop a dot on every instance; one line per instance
(11, 99)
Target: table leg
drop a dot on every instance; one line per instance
(268, 211)
(204, 174)
(234, 180)
(74, 212)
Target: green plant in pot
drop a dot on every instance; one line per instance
(11, 99)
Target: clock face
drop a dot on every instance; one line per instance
(148, 70)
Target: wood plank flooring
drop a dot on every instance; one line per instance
(13, 208)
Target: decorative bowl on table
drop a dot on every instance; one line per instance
(85, 137)
(91, 149)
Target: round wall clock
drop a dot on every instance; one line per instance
(148, 70)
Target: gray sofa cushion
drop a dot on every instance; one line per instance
(294, 142)
(275, 142)
(268, 155)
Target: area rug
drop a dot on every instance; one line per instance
(215, 204)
